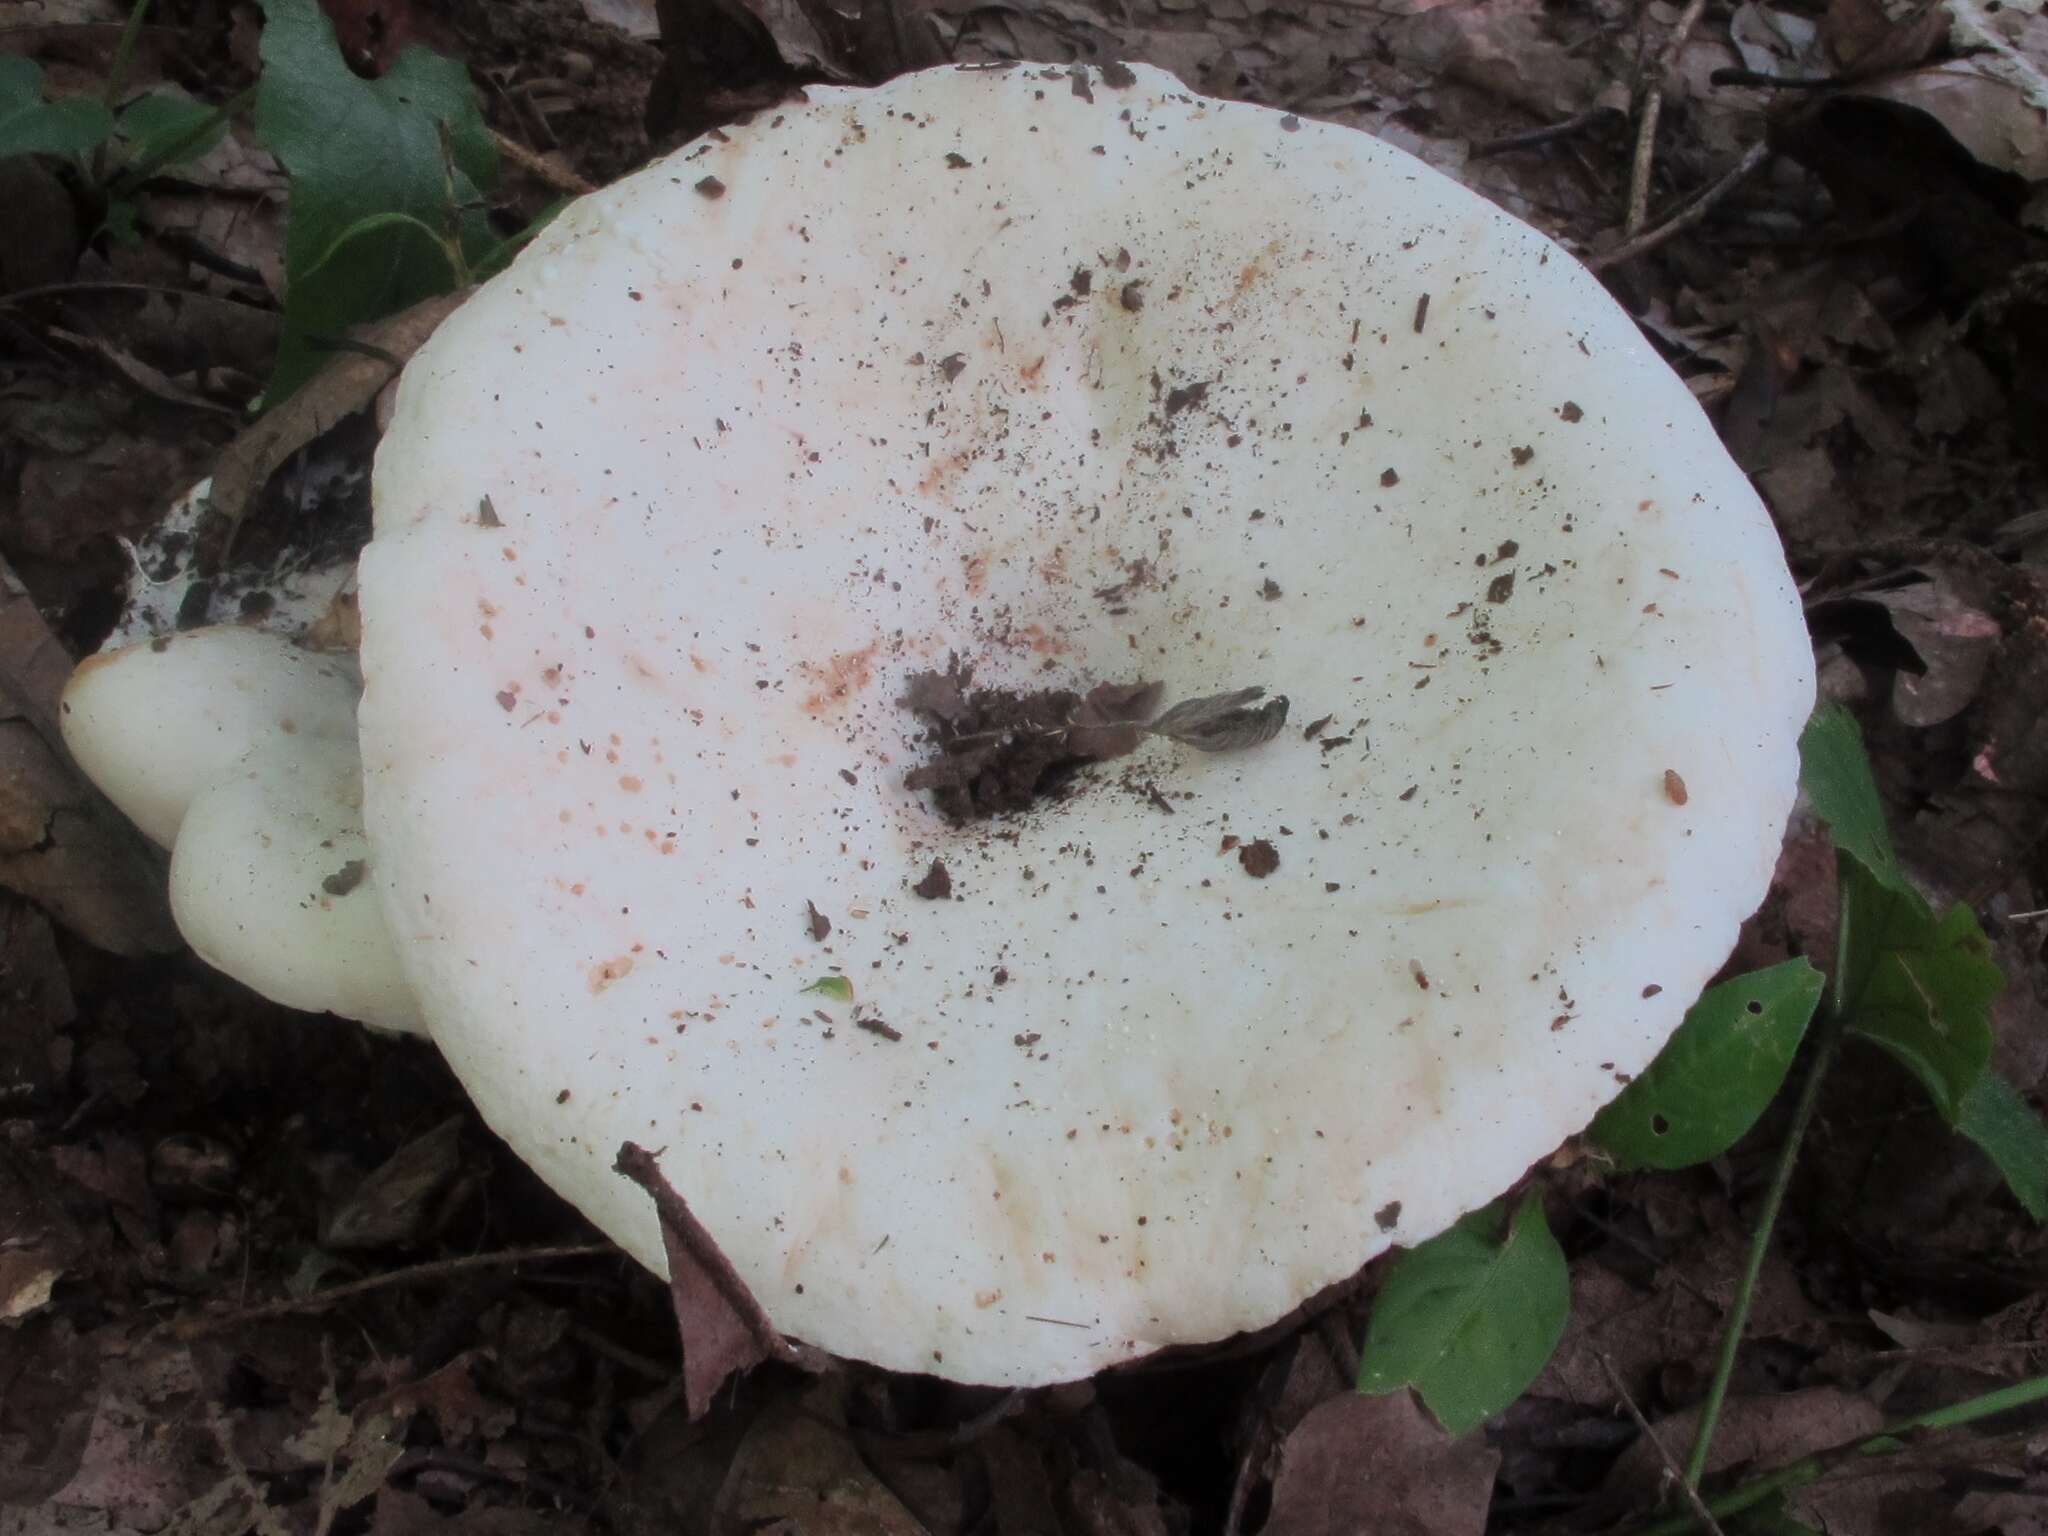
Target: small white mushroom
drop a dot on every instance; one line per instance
(237, 750)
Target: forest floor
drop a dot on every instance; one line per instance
(267, 1273)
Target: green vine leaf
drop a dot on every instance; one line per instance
(408, 147)
(1716, 1074)
(1835, 772)
(29, 125)
(1470, 1317)
(1920, 987)
(2001, 1122)
(169, 130)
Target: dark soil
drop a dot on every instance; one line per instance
(995, 750)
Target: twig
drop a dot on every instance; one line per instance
(1688, 214)
(1692, 1495)
(1764, 82)
(414, 1274)
(61, 290)
(555, 178)
(1531, 138)
(1651, 90)
(1810, 1469)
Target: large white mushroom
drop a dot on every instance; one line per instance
(1083, 380)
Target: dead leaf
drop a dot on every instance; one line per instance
(1955, 643)
(1774, 42)
(399, 1201)
(942, 695)
(343, 387)
(49, 1378)
(41, 1243)
(1870, 37)
(151, 381)
(635, 18)
(1768, 1431)
(36, 1001)
(61, 844)
(794, 1467)
(1377, 1466)
(450, 1395)
(1985, 103)
(1110, 721)
(1019, 1483)
(723, 1327)
(143, 1458)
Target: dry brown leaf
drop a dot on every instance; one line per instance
(1768, 1432)
(723, 1327)
(1868, 37)
(344, 386)
(1377, 1466)
(151, 381)
(795, 1468)
(1985, 107)
(399, 1201)
(1954, 641)
(61, 845)
(48, 1380)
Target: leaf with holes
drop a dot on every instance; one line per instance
(1716, 1074)
(1470, 1317)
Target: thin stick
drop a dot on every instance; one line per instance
(1810, 1469)
(1833, 1021)
(1531, 138)
(1692, 1494)
(1688, 214)
(1652, 108)
(554, 177)
(414, 1274)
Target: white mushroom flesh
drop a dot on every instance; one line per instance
(237, 750)
(1084, 382)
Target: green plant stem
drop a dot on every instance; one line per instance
(1810, 1469)
(124, 55)
(117, 82)
(1830, 1041)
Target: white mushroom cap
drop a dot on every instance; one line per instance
(155, 724)
(237, 750)
(270, 882)
(1085, 382)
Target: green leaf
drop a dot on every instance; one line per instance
(377, 224)
(838, 988)
(1919, 986)
(1835, 772)
(30, 125)
(1716, 1074)
(1999, 1120)
(1470, 1317)
(410, 143)
(170, 130)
